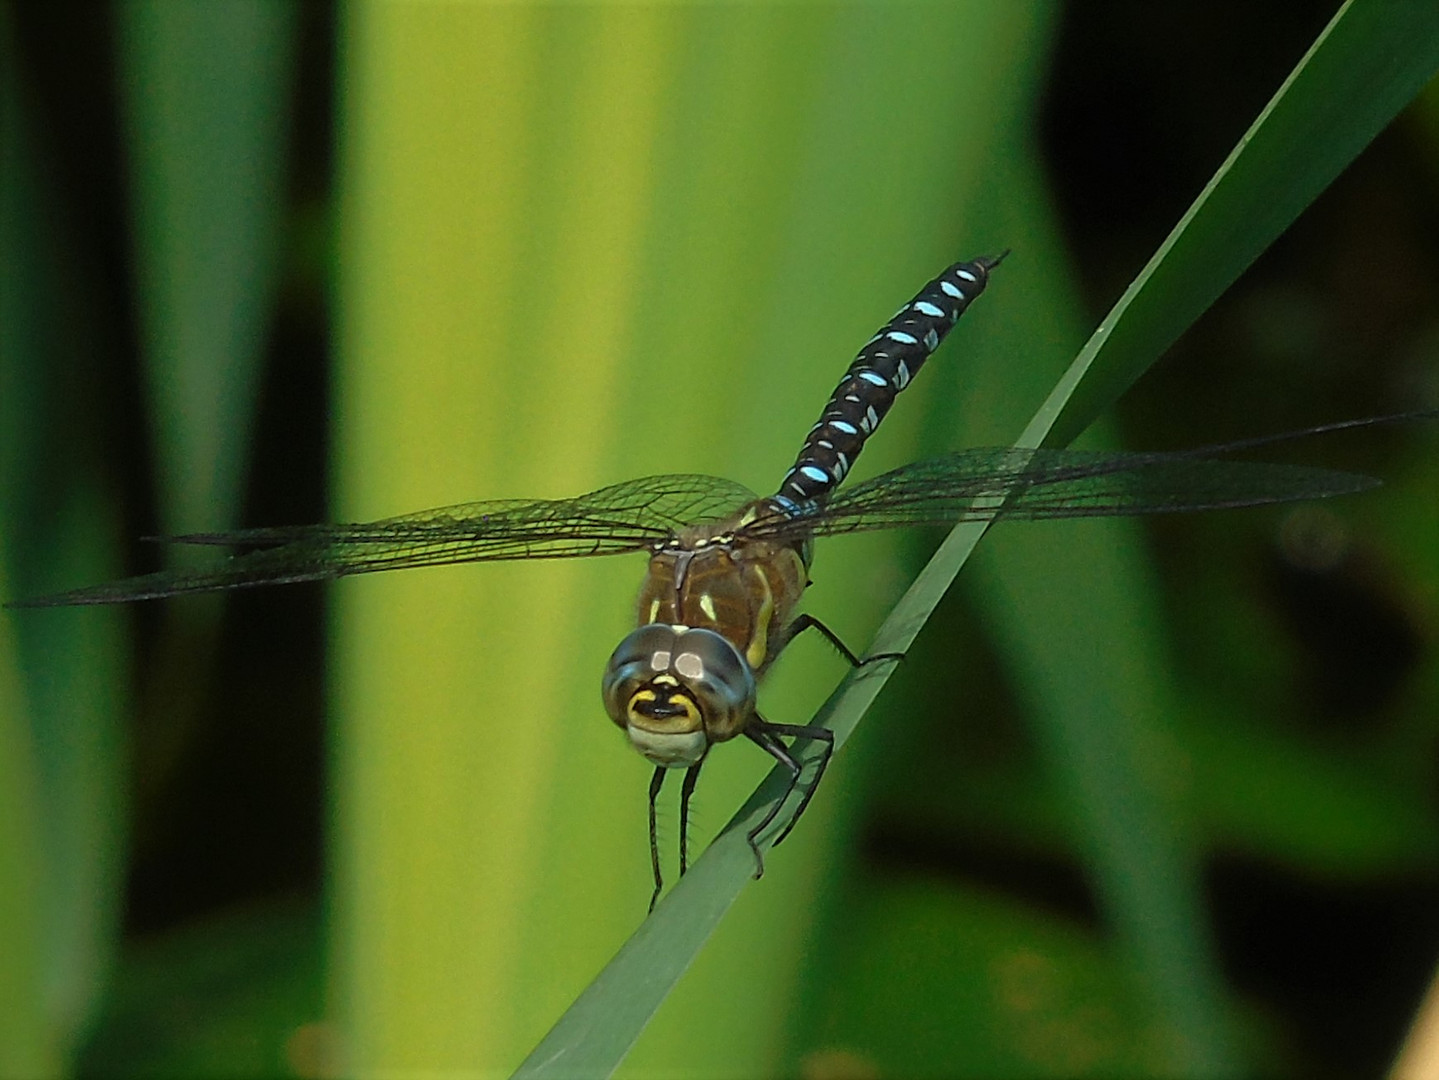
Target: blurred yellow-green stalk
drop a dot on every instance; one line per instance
(581, 244)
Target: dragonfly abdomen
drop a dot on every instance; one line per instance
(886, 364)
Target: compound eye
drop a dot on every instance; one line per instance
(643, 654)
(679, 677)
(719, 678)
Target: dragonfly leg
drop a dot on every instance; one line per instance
(767, 736)
(692, 775)
(815, 734)
(656, 782)
(806, 622)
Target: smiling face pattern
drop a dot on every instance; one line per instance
(677, 689)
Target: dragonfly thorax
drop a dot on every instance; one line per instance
(676, 689)
(717, 577)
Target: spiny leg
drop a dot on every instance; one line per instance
(759, 734)
(767, 736)
(816, 734)
(806, 622)
(692, 775)
(656, 782)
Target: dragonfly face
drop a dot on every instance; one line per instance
(677, 689)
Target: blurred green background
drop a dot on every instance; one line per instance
(268, 264)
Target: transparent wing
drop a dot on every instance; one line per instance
(1038, 484)
(624, 517)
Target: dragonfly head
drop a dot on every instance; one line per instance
(676, 689)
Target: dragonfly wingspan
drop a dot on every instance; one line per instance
(630, 516)
(985, 483)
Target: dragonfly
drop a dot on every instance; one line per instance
(727, 568)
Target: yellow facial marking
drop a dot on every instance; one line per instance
(654, 608)
(692, 714)
(707, 605)
(689, 721)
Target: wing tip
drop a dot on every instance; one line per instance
(72, 598)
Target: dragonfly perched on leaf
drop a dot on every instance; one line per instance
(727, 568)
